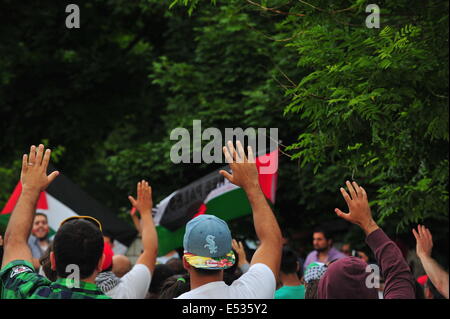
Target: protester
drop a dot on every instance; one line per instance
(135, 284)
(207, 242)
(347, 250)
(292, 286)
(46, 266)
(175, 286)
(348, 278)
(323, 249)
(38, 240)
(121, 265)
(436, 274)
(160, 274)
(312, 276)
(78, 241)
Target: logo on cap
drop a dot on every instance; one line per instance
(211, 244)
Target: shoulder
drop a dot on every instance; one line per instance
(258, 282)
(19, 279)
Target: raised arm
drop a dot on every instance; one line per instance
(437, 275)
(245, 175)
(34, 180)
(144, 205)
(399, 282)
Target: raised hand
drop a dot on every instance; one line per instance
(144, 201)
(239, 248)
(424, 241)
(34, 169)
(359, 210)
(244, 171)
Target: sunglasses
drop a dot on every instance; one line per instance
(88, 218)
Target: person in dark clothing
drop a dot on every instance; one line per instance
(351, 277)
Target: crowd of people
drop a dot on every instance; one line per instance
(79, 261)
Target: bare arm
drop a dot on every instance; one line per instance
(144, 205)
(34, 180)
(136, 222)
(245, 175)
(437, 275)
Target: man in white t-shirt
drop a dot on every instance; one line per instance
(135, 284)
(207, 242)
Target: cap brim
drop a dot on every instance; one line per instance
(212, 263)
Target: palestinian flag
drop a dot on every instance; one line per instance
(212, 194)
(63, 199)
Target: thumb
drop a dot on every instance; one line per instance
(52, 176)
(341, 214)
(132, 201)
(226, 175)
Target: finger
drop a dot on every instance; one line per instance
(52, 176)
(233, 151)
(341, 214)
(416, 235)
(234, 244)
(46, 159)
(251, 156)
(241, 246)
(241, 152)
(357, 189)
(347, 198)
(226, 175)
(132, 201)
(40, 154)
(363, 192)
(32, 157)
(428, 234)
(227, 154)
(24, 164)
(351, 190)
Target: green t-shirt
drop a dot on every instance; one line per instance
(290, 292)
(18, 280)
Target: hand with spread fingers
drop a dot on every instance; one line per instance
(424, 241)
(244, 171)
(239, 248)
(144, 201)
(359, 210)
(34, 169)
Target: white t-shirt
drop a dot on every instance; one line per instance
(257, 283)
(134, 285)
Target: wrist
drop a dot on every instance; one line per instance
(252, 187)
(369, 227)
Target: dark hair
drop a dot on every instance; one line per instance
(288, 261)
(325, 233)
(311, 289)
(206, 272)
(40, 214)
(160, 274)
(436, 294)
(176, 265)
(175, 286)
(44, 261)
(78, 242)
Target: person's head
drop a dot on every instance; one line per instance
(159, 276)
(346, 249)
(176, 264)
(40, 226)
(321, 240)
(289, 262)
(174, 286)
(346, 278)
(430, 291)
(78, 242)
(44, 261)
(120, 265)
(207, 247)
(312, 276)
